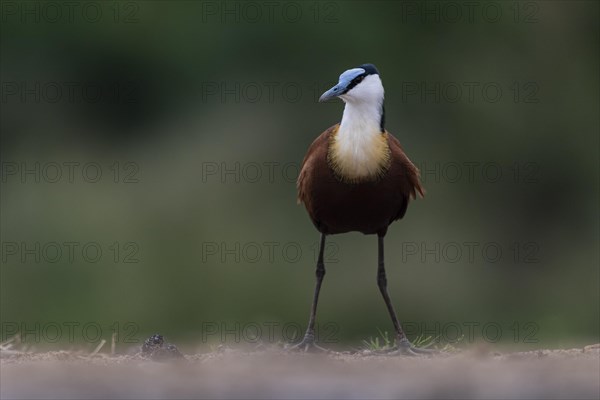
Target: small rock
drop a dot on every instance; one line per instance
(156, 349)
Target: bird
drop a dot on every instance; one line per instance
(355, 177)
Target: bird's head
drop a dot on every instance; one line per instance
(356, 85)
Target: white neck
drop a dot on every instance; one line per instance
(364, 105)
(361, 149)
(361, 117)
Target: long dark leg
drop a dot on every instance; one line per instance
(382, 283)
(320, 273)
(404, 346)
(309, 336)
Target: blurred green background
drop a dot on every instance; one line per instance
(197, 116)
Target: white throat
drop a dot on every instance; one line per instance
(360, 148)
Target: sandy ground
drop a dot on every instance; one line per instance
(273, 373)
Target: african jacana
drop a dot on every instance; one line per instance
(356, 177)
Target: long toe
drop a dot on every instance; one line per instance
(307, 346)
(403, 351)
(406, 348)
(424, 350)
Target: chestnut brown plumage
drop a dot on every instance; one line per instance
(359, 181)
(368, 206)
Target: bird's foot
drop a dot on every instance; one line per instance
(308, 345)
(406, 348)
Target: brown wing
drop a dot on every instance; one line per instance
(316, 152)
(411, 171)
(405, 177)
